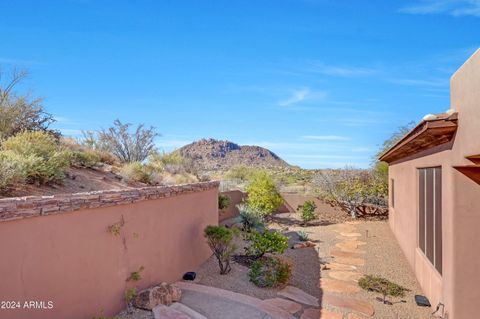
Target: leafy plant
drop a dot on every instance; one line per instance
(262, 193)
(39, 156)
(114, 229)
(272, 242)
(250, 218)
(220, 240)
(130, 294)
(271, 272)
(223, 201)
(382, 286)
(308, 211)
(135, 172)
(136, 275)
(303, 236)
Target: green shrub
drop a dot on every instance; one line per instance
(220, 240)
(262, 193)
(303, 236)
(308, 211)
(12, 168)
(250, 218)
(223, 201)
(272, 242)
(135, 172)
(44, 161)
(240, 172)
(87, 158)
(382, 286)
(271, 272)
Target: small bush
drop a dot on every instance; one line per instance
(382, 286)
(43, 160)
(308, 211)
(303, 236)
(88, 158)
(12, 168)
(262, 193)
(220, 240)
(271, 272)
(135, 172)
(223, 201)
(272, 242)
(250, 218)
(136, 275)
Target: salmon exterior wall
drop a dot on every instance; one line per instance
(72, 259)
(459, 285)
(236, 197)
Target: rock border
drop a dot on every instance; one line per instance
(14, 208)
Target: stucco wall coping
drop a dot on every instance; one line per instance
(13, 208)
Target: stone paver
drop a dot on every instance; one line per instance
(345, 275)
(298, 295)
(351, 304)
(350, 261)
(339, 253)
(313, 313)
(287, 305)
(353, 316)
(340, 286)
(165, 312)
(337, 266)
(217, 303)
(346, 234)
(186, 310)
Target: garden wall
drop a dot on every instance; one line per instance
(59, 248)
(236, 197)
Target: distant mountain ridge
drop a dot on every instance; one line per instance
(211, 154)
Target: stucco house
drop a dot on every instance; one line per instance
(434, 205)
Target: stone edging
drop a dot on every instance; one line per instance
(30, 206)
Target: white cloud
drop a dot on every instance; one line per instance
(343, 71)
(451, 7)
(301, 95)
(326, 137)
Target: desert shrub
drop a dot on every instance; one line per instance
(250, 218)
(262, 193)
(240, 172)
(303, 236)
(272, 242)
(135, 172)
(12, 169)
(271, 272)
(308, 211)
(126, 144)
(88, 158)
(20, 112)
(44, 161)
(220, 240)
(382, 286)
(223, 201)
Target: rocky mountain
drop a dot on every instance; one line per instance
(211, 154)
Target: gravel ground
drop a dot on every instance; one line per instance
(383, 257)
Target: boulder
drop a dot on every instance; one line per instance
(305, 244)
(163, 294)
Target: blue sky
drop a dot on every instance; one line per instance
(320, 82)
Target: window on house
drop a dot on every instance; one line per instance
(392, 192)
(430, 214)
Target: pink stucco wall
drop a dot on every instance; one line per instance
(71, 259)
(458, 286)
(236, 197)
